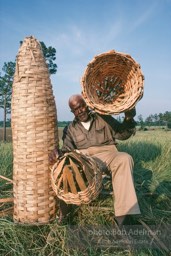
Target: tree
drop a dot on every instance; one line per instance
(141, 122)
(49, 54)
(156, 119)
(149, 120)
(5, 91)
(167, 119)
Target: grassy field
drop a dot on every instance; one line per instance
(151, 151)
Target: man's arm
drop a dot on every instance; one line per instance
(68, 143)
(124, 130)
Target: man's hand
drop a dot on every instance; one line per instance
(130, 114)
(54, 155)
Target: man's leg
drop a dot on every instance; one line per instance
(121, 166)
(126, 202)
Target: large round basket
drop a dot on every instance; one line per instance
(112, 83)
(76, 179)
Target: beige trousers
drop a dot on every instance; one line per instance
(121, 166)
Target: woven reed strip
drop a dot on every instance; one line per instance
(124, 79)
(6, 200)
(34, 135)
(93, 186)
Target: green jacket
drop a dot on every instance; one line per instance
(104, 130)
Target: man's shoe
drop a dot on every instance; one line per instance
(119, 220)
(126, 220)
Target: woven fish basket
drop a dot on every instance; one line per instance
(34, 136)
(112, 83)
(76, 178)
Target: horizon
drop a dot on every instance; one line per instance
(120, 116)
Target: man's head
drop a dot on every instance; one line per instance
(78, 107)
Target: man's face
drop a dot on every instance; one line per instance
(80, 110)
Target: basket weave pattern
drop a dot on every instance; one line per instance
(34, 134)
(112, 83)
(76, 179)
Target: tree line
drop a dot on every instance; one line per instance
(152, 120)
(161, 119)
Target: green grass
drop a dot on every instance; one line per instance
(151, 151)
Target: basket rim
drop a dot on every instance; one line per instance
(111, 108)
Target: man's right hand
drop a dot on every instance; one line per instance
(54, 155)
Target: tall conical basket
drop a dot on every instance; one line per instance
(34, 136)
(112, 83)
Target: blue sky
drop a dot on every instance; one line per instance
(81, 29)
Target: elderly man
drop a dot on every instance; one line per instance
(95, 135)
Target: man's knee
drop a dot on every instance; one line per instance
(123, 159)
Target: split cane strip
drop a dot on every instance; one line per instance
(6, 200)
(4, 178)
